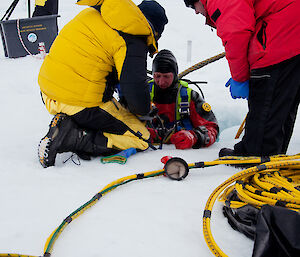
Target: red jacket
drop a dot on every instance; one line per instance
(202, 121)
(256, 33)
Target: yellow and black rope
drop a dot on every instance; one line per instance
(201, 64)
(198, 65)
(55, 234)
(275, 182)
(52, 238)
(279, 177)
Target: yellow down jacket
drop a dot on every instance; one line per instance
(91, 55)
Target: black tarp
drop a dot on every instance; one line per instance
(274, 229)
(277, 233)
(241, 219)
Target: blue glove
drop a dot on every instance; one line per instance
(120, 157)
(128, 152)
(238, 89)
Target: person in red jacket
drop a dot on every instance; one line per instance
(262, 44)
(184, 118)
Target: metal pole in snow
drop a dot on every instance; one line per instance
(189, 51)
(29, 9)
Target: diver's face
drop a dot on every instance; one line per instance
(163, 80)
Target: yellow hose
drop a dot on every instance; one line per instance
(266, 179)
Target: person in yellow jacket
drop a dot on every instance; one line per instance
(105, 45)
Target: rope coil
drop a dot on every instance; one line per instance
(274, 183)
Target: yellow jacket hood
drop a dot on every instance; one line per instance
(124, 16)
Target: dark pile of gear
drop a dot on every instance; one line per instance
(262, 202)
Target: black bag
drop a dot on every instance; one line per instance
(22, 37)
(277, 233)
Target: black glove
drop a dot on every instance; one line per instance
(149, 116)
(123, 102)
(202, 135)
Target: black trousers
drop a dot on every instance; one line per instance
(114, 127)
(50, 7)
(99, 121)
(274, 96)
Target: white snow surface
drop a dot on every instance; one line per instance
(150, 217)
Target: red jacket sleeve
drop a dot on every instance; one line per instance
(204, 121)
(235, 23)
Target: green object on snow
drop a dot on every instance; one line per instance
(120, 157)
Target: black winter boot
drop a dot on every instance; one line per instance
(226, 152)
(65, 136)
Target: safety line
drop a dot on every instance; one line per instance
(201, 64)
(52, 238)
(275, 163)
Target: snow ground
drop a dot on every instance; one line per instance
(151, 217)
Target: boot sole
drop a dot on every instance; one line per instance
(46, 144)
